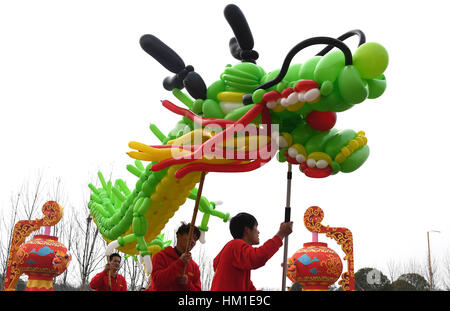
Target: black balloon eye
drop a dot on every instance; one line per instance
(247, 99)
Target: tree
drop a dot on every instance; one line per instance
(402, 285)
(88, 249)
(134, 273)
(393, 270)
(5, 237)
(206, 268)
(296, 287)
(446, 268)
(416, 282)
(370, 279)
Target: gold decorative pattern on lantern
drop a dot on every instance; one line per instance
(332, 265)
(343, 236)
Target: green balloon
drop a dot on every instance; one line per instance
(139, 225)
(326, 88)
(340, 140)
(376, 86)
(355, 160)
(293, 73)
(334, 102)
(328, 67)
(307, 69)
(351, 86)
(335, 167)
(197, 106)
(258, 95)
(268, 77)
(281, 155)
(302, 133)
(371, 59)
(115, 232)
(147, 188)
(211, 109)
(242, 77)
(144, 206)
(317, 143)
(237, 113)
(214, 89)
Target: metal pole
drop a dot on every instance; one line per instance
(429, 258)
(287, 217)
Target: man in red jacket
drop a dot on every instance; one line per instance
(100, 281)
(168, 265)
(233, 264)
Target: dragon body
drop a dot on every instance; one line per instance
(221, 129)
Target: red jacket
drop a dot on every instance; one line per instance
(167, 266)
(233, 264)
(100, 282)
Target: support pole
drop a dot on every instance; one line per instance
(287, 217)
(109, 273)
(194, 215)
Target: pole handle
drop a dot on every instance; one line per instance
(194, 215)
(287, 214)
(109, 273)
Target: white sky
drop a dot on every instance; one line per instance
(76, 87)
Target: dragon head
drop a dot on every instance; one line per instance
(61, 261)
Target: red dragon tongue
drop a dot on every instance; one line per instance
(305, 85)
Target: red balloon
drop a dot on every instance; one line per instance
(321, 120)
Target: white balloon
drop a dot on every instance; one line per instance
(322, 164)
(312, 95)
(292, 99)
(311, 163)
(292, 152)
(111, 247)
(300, 158)
(202, 237)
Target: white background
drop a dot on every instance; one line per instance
(75, 88)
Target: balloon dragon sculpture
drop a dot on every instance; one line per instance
(230, 126)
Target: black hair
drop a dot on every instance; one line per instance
(184, 228)
(239, 222)
(114, 255)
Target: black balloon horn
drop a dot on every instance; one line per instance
(351, 33)
(302, 45)
(241, 46)
(185, 76)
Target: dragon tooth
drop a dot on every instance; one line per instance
(300, 158)
(292, 152)
(301, 97)
(292, 99)
(312, 95)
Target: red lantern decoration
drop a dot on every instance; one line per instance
(317, 266)
(41, 258)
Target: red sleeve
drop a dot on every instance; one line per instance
(98, 281)
(246, 257)
(195, 284)
(252, 287)
(162, 274)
